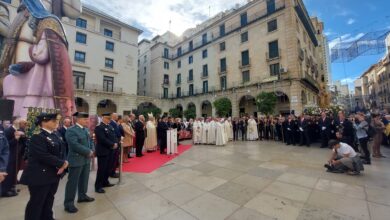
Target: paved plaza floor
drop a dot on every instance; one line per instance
(243, 180)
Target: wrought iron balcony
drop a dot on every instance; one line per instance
(244, 65)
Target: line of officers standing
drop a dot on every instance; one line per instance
(302, 130)
(52, 153)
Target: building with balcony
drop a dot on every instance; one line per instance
(375, 85)
(264, 45)
(104, 53)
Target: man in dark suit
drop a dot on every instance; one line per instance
(290, 127)
(235, 129)
(242, 127)
(66, 123)
(162, 129)
(114, 163)
(324, 123)
(4, 154)
(106, 143)
(46, 165)
(303, 125)
(79, 156)
(140, 135)
(15, 139)
(345, 126)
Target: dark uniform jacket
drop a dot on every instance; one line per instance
(139, 130)
(105, 139)
(162, 129)
(324, 125)
(80, 146)
(45, 157)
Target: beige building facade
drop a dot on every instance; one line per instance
(375, 85)
(265, 45)
(103, 52)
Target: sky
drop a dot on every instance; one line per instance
(344, 20)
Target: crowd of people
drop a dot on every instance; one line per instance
(70, 147)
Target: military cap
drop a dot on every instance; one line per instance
(81, 115)
(45, 117)
(106, 114)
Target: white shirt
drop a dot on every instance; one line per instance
(47, 130)
(345, 149)
(79, 125)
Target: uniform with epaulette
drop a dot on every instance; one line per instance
(80, 151)
(44, 170)
(106, 142)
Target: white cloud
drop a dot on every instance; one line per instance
(154, 15)
(350, 21)
(348, 80)
(345, 39)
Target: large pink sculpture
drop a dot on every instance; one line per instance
(44, 77)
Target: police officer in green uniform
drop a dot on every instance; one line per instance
(80, 148)
(46, 166)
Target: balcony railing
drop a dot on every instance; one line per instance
(273, 56)
(98, 88)
(311, 80)
(178, 82)
(165, 82)
(244, 65)
(222, 71)
(204, 75)
(190, 79)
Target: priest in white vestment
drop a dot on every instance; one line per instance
(197, 132)
(205, 132)
(211, 133)
(151, 134)
(220, 134)
(252, 134)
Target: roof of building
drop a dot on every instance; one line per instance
(92, 9)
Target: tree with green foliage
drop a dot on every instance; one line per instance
(190, 113)
(154, 110)
(176, 113)
(266, 102)
(223, 107)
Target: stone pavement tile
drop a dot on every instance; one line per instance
(352, 191)
(150, 207)
(186, 162)
(220, 162)
(181, 194)
(128, 194)
(226, 174)
(378, 195)
(275, 206)
(170, 167)
(241, 167)
(185, 174)
(255, 182)
(248, 214)
(205, 168)
(162, 182)
(289, 191)
(378, 211)
(206, 183)
(177, 214)
(298, 179)
(264, 172)
(142, 177)
(86, 210)
(235, 192)
(210, 207)
(111, 214)
(340, 204)
(273, 166)
(310, 212)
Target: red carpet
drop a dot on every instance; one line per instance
(151, 161)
